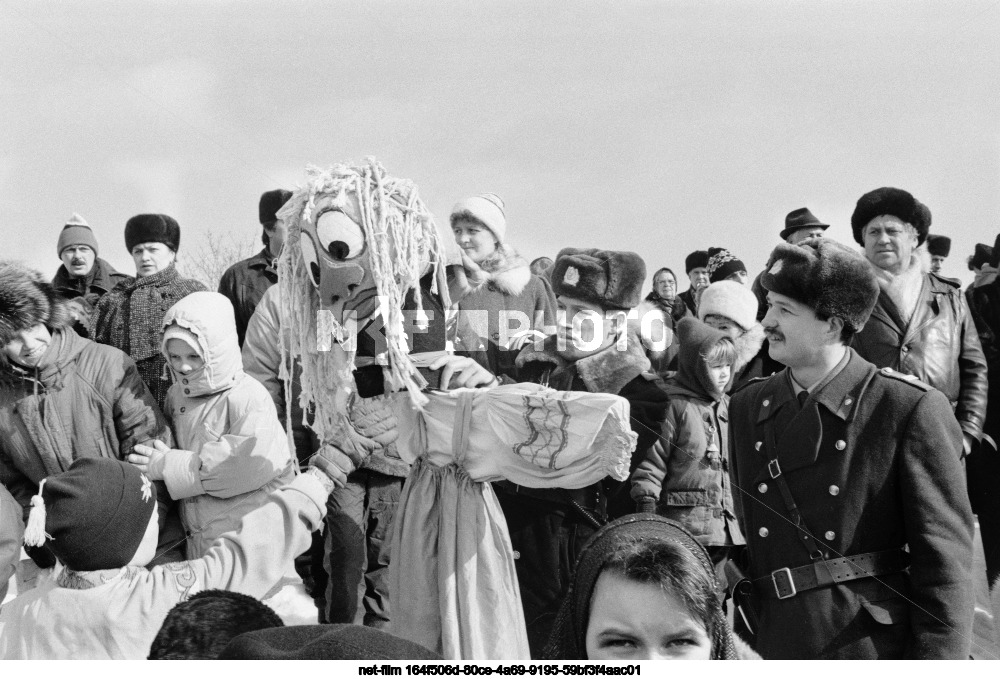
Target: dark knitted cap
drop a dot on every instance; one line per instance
(95, 513)
(828, 277)
(890, 201)
(696, 260)
(938, 245)
(270, 203)
(153, 228)
(27, 299)
(323, 642)
(609, 279)
(722, 264)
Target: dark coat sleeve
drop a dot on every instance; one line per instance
(938, 524)
(137, 417)
(971, 409)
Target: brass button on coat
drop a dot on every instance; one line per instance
(834, 490)
(840, 445)
(762, 488)
(762, 532)
(829, 535)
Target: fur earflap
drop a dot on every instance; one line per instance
(27, 299)
(890, 201)
(609, 279)
(828, 277)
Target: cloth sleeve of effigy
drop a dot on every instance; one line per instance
(526, 433)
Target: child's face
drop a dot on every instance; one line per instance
(720, 375)
(183, 358)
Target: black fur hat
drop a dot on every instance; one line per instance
(938, 245)
(27, 299)
(826, 276)
(152, 228)
(612, 280)
(696, 260)
(890, 201)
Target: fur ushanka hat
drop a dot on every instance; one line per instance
(890, 201)
(152, 228)
(938, 245)
(696, 260)
(828, 277)
(26, 300)
(609, 279)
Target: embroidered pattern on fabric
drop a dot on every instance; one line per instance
(547, 422)
(185, 577)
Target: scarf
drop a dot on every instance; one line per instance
(568, 640)
(984, 276)
(137, 330)
(903, 289)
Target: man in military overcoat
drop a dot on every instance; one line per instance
(848, 481)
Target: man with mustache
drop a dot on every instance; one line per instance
(848, 482)
(83, 277)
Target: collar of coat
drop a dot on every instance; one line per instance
(840, 395)
(606, 372)
(102, 278)
(505, 271)
(262, 260)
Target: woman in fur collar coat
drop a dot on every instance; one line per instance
(732, 308)
(502, 305)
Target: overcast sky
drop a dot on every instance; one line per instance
(658, 127)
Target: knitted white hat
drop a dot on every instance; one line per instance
(730, 299)
(487, 208)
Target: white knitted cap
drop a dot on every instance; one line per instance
(487, 208)
(730, 299)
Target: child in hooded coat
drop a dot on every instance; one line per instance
(232, 450)
(684, 476)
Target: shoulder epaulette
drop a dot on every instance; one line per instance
(903, 377)
(953, 282)
(753, 380)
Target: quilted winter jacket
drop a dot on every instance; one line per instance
(687, 469)
(84, 400)
(940, 346)
(232, 451)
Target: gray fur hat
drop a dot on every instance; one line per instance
(27, 299)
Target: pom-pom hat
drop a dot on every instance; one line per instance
(722, 264)
(826, 276)
(152, 228)
(609, 279)
(890, 201)
(76, 232)
(488, 208)
(94, 515)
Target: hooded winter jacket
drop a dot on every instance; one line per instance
(686, 470)
(232, 451)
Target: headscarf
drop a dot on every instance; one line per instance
(568, 639)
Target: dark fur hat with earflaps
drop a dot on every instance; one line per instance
(26, 300)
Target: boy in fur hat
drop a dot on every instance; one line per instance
(851, 495)
(99, 518)
(684, 475)
(591, 351)
(62, 397)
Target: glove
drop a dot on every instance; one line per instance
(646, 505)
(372, 427)
(333, 462)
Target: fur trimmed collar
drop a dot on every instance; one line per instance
(505, 270)
(903, 289)
(747, 347)
(606, 372)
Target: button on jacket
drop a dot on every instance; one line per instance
(890, 447)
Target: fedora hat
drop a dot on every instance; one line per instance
(801, 219)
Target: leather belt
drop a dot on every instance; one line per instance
(589, 497)
(785, 583)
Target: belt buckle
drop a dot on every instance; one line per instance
(791, 583)
(774, 469)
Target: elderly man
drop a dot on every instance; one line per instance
(921, 324)
(851, 492)
(83, 278)
(696, 267)
(245, 282)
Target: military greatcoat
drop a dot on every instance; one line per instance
(871, 460)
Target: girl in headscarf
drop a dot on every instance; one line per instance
(643, 589)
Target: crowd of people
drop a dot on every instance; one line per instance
(497, 459)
